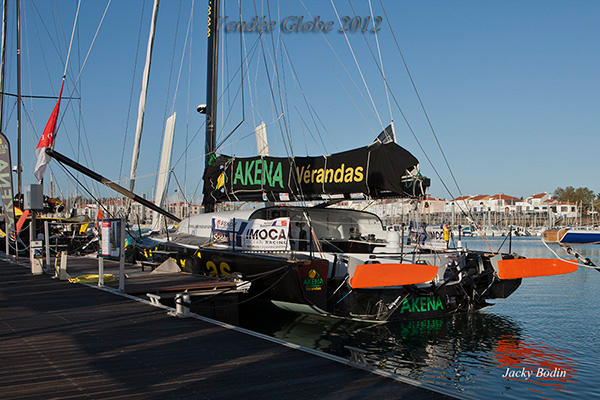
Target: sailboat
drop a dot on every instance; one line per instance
(324, 260)
(571, 236)
(569, 239)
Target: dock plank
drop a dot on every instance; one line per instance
(61, 340)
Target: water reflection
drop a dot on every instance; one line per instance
(452, 349)
(535, 362)
(469, 352)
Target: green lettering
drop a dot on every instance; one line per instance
(405, 306)
(431, 304)
(239, 175)
(267, 173)
(415, 305)
(278, 175)
(439, 304)
(258, 173)
(248, 173)
(4, 180)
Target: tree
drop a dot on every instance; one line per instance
(580, 195)
(597, 203)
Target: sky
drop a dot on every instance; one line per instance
(511, 89)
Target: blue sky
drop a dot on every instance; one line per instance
(512, 88)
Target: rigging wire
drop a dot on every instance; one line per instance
(86, 57)
(76, 81)
(137, 52)
(282, 125)
(387, 94)
(281, 77)
(350, 97)
(85, 188)
(166, 110)
(188, 202)
(66, 62)
(309, 106)
(243, 59)
(380, 68)
(358, 66)
(98, 201)
(253, 51)
(53, 41)
(71, 97)
(467, 214)
(421, 102)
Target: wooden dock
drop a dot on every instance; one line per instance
(65, 341)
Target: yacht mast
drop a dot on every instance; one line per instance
(2, 58)
(19, 161)
(211, 84)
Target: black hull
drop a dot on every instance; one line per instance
(300, 282)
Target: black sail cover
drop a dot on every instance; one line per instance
(376, 171)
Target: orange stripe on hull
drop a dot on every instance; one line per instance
(381, 275)
(530, 267)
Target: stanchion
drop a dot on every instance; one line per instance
(47, 242)
(182, 309)
(100, 271)
(60, 267)
(122, 258)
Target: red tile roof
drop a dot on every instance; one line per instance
(502, 196)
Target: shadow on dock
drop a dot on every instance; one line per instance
(62, 340)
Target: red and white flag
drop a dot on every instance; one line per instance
(47, 140)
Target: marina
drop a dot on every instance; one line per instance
(286, 236)
(63, 340)
(78, 340)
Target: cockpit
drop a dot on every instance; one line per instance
(330, 229)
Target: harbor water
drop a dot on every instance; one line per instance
(541, 342)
